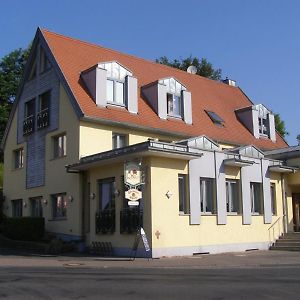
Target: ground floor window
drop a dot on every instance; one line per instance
(36, 207)
(182, 194)
(59, 206)
(233, 196)
(17, 208)
(273, 198)
(257, 206)
(105, 217)
(208, 195)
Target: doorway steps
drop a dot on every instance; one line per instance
(288, 242)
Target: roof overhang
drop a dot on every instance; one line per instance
(238, 162)
(145, 149)
(282, 169)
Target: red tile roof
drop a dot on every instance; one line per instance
(74, 56)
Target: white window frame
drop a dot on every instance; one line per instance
(117, 140)
(230, 202)
(60, 145)
(19, 158)
(114, 100)
(273, 198)
(254, 209)
(263, 126)
(205, 198)
(174, 96)
(183, 203)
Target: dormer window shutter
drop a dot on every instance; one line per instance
(131, 94)
(272, 131)
(101, 76)
(162, 108)
(187, 107)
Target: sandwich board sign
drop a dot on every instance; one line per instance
(141, 235)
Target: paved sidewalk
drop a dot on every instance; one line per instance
(252, 259)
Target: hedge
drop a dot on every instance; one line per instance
(24, 228)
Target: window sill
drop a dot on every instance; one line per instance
(256, 214)
(58, 157)
(233, 214)
(57, 219)
(178, 118)
(181, 213)
(116, 105)
(208, 214)
(18, 169)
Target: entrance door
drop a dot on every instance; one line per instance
(296, 212)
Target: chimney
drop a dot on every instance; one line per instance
(229, 81)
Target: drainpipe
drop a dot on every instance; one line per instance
(284, 204)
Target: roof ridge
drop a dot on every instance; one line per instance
(134, 57)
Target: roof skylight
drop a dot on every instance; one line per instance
(215, 118)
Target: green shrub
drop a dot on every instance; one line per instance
(24, 228)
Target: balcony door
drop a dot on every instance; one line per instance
(296, 211)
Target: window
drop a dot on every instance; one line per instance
(215, 118)
(263, 125)
(256, 198)
(17, 208)
(44, 62)
(43, 114)
(60, 146)
(59, 206)
(29, 112)
(174, 105)
(36, 207)
(182, 192)
(273, 199)
(106, 194)
(232, 196)
(105, 217)
(115, 91)
(19, 158)
(119, 140)
(208, 195)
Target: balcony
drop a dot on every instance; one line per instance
(106, 221)
(43, 118)
(130, 220)
(28, 125)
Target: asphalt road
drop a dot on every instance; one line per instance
(77, 281)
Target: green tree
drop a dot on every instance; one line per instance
(11, 72)
(280, 126)
(204, 68)
(298, 139)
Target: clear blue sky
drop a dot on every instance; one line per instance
(255, 42)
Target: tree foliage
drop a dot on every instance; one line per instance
(204, 68)
(11, 71)
(280, 126)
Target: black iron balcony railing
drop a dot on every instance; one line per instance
(43, 118)
(130, 220)
(106, 221)
(28, 125)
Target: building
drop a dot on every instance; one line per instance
(198, 152)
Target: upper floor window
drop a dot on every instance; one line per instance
(29, 114)
(257, 206)
(19, 158)
(115, 91)
(119, 140)
(43, 113)
(208, 195)
(174, 105)
(60, 146)
(44, 62)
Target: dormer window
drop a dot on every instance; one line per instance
(110, 83)
(169, 98)
(263, 125)
(174, 105)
